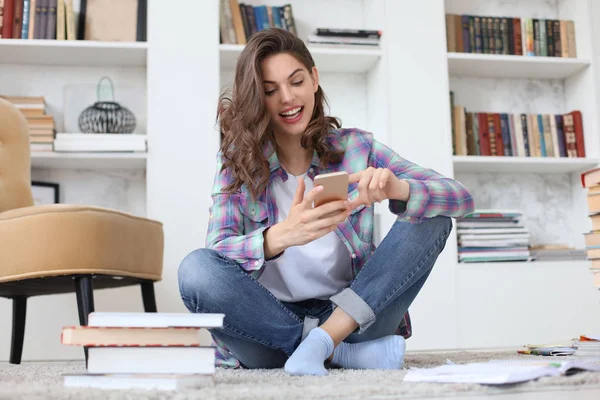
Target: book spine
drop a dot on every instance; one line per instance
(505, 33)
(506, 142)
(510, 36)
(478, 35)
(472, 33)
(517, 37)
(525, 130)
(51, 24)
(17, 19)
(142, 18)
(536, 37)
(569, 130)
(560, 135)
(550, 37)
(556, 38)
(465, 34)
(7, 19)
(25, 19)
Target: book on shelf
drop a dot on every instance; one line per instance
(516, 134)
(346, 36)
(41, 126)
(38, 19)
(484, 34)
(128, 350)
(100, 142)
(238, 21)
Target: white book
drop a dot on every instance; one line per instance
(493, 243)
(477, 224)
(71, 145)
(151, 360)
(468, 255)
(155, 320)
(137, 381)
(103, 136)
(484, 231)
(496, 236)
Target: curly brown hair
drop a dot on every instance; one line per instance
(245, 124)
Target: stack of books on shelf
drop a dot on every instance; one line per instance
(511, 36)
(590, 180)
(37, 19)
(41, 125)
(151, 351)
(100, 142)
(516, 135)
(492, 235)
(353, 37)
(239, 21)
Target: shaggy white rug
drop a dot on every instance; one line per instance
(43, 380)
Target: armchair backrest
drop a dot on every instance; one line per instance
(15, 159)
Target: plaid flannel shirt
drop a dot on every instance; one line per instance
(237, 223)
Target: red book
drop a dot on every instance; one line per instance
(578, 124)
(499, 138)
(7, 19)
(484, 135)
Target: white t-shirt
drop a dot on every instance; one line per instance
(316, 270)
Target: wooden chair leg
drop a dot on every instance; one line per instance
(148, 296)
(18, 328)
(85, 301)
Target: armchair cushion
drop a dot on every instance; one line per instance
(61, 239)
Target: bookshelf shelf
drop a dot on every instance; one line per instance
(509, 66)
(327, 59)
(73, 53)
(88, 160)
(544, 165)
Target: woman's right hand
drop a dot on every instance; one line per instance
(305, 223)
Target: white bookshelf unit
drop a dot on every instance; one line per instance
(112, 180)
(513, 303)
(399, 92)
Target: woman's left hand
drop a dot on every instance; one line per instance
(376, 185)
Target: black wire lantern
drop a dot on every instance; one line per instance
(106, 116)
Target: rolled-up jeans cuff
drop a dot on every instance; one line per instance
(309, 324)
(355, 307)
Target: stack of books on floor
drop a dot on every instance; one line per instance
(100, 142)
(353, 37)
(41, 125)
(588, 346)
(152, 351)
(492, 235)
(590, 180)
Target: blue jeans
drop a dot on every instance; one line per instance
(262, 332)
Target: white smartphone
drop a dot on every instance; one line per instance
(335, 187)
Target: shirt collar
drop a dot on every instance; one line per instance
(275, 166)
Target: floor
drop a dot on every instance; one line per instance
(43, 380)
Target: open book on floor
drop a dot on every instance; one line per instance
(499, 372)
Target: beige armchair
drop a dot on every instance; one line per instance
(64, 248)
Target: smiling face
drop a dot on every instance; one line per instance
(289, 93)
